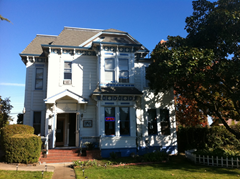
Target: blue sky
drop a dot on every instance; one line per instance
(147, 21)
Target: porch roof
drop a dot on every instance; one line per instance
(54, 98)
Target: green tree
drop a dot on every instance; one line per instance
(204, 66)
(5, 109)
(20, 118)
(3, 18)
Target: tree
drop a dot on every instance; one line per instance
(5, 109)
(20, 118)
(3, 18)
(188, 114)
(204, 66)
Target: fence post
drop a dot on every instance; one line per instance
(232, 162)
(237, 162)
(212, 161)
(217, 160)
(207, 160)
(203, 159)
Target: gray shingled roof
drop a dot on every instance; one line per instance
(74, 37)
(117, 90)
(35, 46)
(113, 30)
(70, 37)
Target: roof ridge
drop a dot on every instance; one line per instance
(45, 35)
(79, 28)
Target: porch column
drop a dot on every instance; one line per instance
(54, 125)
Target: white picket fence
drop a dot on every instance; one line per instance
(212, 161)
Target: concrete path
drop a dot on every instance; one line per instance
(61, 171)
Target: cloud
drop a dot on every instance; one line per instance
(12, 84)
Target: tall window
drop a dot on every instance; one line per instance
(109, 120)
(124, 121)
(109, 70)
(67, 70)
(39, 79)
(123, 70)
(146, 81)
(152, 122)
(165, 123)
(37, 122)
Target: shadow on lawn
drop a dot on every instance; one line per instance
(178, 162)
(181, 163)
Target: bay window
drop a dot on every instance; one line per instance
(109, 70)
(124, 121)
(123, 70)
(110, 120)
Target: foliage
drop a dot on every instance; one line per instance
(187, 112)
(205, 65)
(217, 137)
(80, 163)
(155, 156)
(3, 18)
(20, 144)
(20, 118)
(5, 109)
(113, 155)
(220, 152)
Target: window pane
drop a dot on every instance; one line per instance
(123, 64)
(67, 76)
(37, 122)
(152, 122)
(124, 121)
(109, 120)
(165, 123)
(123, 77)
(109, 64)
(109, 76)
(147, 81)
(39, 84)
(39, 73)
(67, 65)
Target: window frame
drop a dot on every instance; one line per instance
(119, 59)
(66, 79)
(37, 124)
(110, 70)
(39, 79)
(129, 121)
(155, 123)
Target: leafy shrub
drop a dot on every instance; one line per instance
(155, 156)
(80, 163)
(20, 144)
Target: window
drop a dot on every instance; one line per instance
(124, 121)
(39, 79)
(165, 123)
(123, 71)
(109, 120)
(116, 70)
(152, 122)
(67, 70)
(109, 70)
(146, 81)
(37, 122)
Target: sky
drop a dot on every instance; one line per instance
(147, 21)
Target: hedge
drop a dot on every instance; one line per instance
(20, 144)
(202, 137)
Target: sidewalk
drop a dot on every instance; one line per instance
(63, 170)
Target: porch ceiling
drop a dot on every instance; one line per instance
(65, 94)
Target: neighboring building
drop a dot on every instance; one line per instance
(89, 85)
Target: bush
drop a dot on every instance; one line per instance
(20, 144)
(201, 138)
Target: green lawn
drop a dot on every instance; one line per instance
(8, 174)
(177, 167)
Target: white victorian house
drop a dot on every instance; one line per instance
(89, 85)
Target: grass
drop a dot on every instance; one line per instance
(177, 167)
(8, 174)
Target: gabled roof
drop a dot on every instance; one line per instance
(113, 30)
(54, 98)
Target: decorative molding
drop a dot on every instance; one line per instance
(117, 85)
(116, 98)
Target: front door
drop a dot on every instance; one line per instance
(72, 129)
(60, 132)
